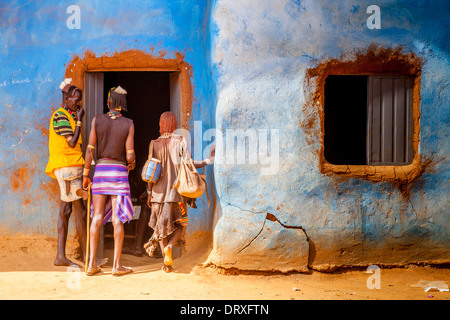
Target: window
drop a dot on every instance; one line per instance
(368, 120)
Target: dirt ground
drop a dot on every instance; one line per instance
(27, 272)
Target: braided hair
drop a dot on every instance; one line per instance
(69, 91)
(117, 99)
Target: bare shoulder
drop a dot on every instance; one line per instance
(129, 120)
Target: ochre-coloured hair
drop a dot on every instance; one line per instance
(167, 122)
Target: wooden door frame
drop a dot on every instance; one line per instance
(136, 60)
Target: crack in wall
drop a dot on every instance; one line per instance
(271, 217)
(251, 241)
(414, 210)
(311, 246)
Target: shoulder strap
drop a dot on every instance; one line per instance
(150, 153)
(181, 148)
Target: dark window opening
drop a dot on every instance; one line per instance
(345, 119)
(368, 120)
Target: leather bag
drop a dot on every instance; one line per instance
(189, 182)
(151, 172)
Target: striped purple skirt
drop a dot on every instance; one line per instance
(112, 179)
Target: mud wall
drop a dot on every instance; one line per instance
(252, 65)
(41, 43)
(269, 60)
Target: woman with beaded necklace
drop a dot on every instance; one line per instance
(168, 217)
(114, 136)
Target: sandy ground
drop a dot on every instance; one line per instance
(27, 272)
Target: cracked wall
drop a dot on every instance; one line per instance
(261, 58)
(264, 244)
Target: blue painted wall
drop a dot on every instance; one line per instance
(262, 51)
(36, 46)
(249, 60)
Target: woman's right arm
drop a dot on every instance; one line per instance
(89, 155)
(205, 162)
(129, 146)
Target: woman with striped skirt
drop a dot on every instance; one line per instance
(114, 136)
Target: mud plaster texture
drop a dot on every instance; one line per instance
(250, 61)
(27, 272)
(135, 60)
(271, 61)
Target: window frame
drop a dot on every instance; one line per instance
(388, 112)
(399, 174)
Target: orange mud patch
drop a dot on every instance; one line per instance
(44, 127)
(27, 272)
(51, 189)
(135, 60)
(372, 61)
(21, 179)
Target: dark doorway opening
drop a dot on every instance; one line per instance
(345, 120)
(148, 96)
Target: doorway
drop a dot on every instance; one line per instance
(149, 94)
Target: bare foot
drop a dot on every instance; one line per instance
(168, 255)
(102, 262)
(64, 262)
(121, 271)
(166, 268)
(150, 247)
